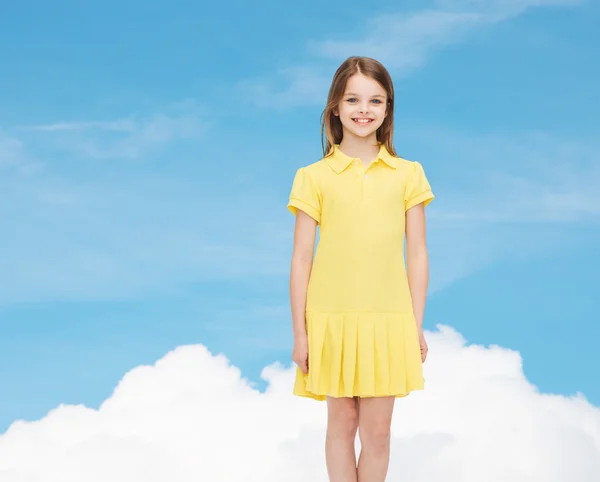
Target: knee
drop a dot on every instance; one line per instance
(375, 436)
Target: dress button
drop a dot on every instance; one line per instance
(366, 175)
(355, 162)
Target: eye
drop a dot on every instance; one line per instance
(377, 100)
(351, 99)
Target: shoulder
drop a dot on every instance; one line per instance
(407, 164)
(315, 170)
(410, 169)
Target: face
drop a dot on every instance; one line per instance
(362, 108)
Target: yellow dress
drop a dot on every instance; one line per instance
(362, 333)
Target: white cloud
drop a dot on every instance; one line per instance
(13, 155)
(304, 83)
(129, 137)
(192, 417)
(501, 7)
(409, 41)
(122, 125)
(524, 177)
(11, 151)
(409, 38)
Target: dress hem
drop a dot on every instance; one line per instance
(320, 397)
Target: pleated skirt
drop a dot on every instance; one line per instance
(360, 354)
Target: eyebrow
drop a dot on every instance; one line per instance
(352, 93)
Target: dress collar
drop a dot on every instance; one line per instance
(340, 161)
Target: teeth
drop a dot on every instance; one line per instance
(363, 121)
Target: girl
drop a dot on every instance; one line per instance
(357, 311)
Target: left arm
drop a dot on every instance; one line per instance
(417, 260)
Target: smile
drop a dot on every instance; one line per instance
(362, 121)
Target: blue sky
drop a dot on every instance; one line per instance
(147, 152)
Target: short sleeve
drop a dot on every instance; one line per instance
(305, 195)
(418, 189)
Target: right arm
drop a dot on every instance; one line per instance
(302, 259)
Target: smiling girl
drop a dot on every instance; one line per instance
(357, 308)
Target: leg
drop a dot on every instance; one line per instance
(342, 424)
(374, 430)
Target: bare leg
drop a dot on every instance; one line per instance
(342, 424)
(374, 430)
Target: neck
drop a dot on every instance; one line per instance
(365, 148)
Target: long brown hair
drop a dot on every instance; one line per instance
(331, 126)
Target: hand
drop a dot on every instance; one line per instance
(423, 345)
(300, 352)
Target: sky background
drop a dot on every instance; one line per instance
(147, 150)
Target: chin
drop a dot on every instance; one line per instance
(360, 132)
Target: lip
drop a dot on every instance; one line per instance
(362, 123)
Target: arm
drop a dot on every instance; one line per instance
(417, 260)
(302, 259)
